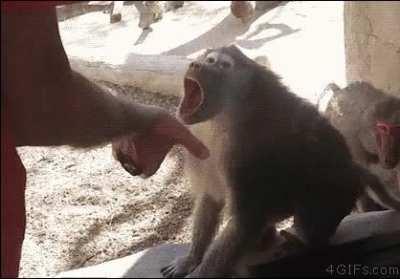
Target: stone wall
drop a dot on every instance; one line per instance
(372, 43)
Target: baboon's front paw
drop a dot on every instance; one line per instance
(179, 268)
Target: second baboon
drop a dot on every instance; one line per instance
(369, 120)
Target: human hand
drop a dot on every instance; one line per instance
(142, 154)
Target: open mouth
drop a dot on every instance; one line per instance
(192, 99)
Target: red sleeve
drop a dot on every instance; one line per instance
(9, 6)
(13, 178)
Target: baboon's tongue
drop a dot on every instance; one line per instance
(192, 98)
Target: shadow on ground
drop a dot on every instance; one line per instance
(231, 28)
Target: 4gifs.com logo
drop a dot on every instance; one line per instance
(363, 270)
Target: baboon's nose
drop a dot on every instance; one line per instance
(195, 65)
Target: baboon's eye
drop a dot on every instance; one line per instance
(210, 60)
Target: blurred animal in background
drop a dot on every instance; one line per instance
(369, 119)
(152, 11)
(245, 10)
(149, 12)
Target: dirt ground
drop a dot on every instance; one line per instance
(84, 209)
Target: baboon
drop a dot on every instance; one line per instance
(272, 156)
(245, 10)
(369, 120)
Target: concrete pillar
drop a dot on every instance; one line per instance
(372, 43)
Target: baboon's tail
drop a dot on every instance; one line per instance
(377, 191)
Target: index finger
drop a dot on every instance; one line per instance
(181, 135)
(192, 143)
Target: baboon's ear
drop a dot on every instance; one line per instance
(263, 61)
(233, 47)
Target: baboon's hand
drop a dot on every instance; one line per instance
(179, 268)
